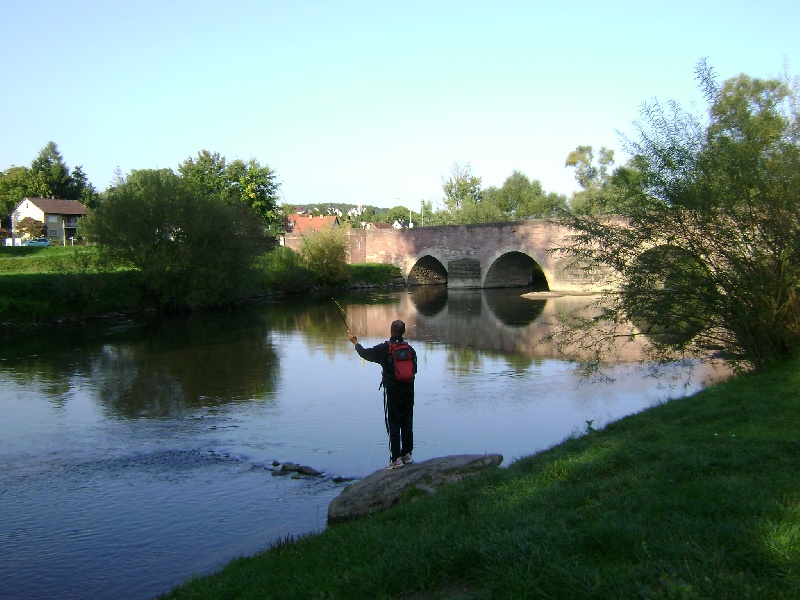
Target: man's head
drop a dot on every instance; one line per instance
(398, 328)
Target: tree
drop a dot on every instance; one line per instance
(599, 193)
(398, 213)
(247, 183)
(463, 197)
(14, 186)
(50, 177)
(521, 198)
(707, 256)
(190, 249)
(30, 227)
(325, 253)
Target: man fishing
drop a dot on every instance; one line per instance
(399, 363)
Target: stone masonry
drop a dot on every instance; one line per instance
(473, 256)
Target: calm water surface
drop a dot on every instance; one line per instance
(135, 455)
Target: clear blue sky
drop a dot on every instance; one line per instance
(362, 101)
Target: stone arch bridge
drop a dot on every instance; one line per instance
(491, 255)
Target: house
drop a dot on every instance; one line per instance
(377, 225)
(60, 217)
(303, 224)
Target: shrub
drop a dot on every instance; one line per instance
(283, 270)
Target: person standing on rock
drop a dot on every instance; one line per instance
(399, 363)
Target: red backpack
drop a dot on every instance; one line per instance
(401, 355)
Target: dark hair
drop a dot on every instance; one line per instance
(398, 328)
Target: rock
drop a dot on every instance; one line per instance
(383, 488)
(295, 469)
(306, 470)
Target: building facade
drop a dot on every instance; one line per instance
(60, 218)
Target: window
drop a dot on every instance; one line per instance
(52, 218)
(53, 233)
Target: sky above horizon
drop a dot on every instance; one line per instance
(363, 102)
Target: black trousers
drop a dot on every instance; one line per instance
(400, 420)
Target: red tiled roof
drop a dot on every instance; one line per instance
(53, 206)
(304, 224)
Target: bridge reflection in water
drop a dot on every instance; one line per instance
(507, 321)
(510, 307)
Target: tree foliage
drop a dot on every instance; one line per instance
(600, 183)
(30, 227)
(463, 197)
(190, 249)
(236, 182)
(397, 213)
(706, 258)
(521, 198)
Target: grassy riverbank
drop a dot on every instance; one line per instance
(696, 498)
(44, 284)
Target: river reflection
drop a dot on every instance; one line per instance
(136, 454)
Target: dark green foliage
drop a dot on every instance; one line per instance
(38, 297)
(190, 249)
(284, 270)
(378, 274)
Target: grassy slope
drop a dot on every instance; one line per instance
(41, 284)
(697, 498)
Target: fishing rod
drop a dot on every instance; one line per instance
(343, 314)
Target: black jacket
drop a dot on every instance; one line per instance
(380, 354)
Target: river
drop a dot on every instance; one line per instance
(135, 454)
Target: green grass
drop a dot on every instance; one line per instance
(23, 259)
(40, 284)
(696, 498)
(373, 273)
(44, 283)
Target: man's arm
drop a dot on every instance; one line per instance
(373, 354)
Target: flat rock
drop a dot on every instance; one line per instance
(383, 488)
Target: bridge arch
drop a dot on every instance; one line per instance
(514, 267)
(428, 268)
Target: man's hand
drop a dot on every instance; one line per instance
(353, 339)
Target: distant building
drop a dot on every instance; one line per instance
(377, 225)
(60, 217)
(308, 223)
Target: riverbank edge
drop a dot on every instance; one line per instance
(116, 308)
(693, 498)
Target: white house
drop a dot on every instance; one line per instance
(60, 217)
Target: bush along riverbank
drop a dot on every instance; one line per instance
(40, 286)
(695, 498)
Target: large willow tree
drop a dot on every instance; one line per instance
(705, 259)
